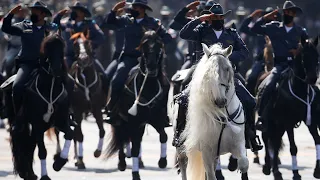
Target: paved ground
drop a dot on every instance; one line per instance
(99, 169)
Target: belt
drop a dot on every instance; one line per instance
(280, 59)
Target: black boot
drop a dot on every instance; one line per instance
(252, 140)
(261, 125)
(254, 144)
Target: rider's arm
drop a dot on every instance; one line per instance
(240, 50)
(8, 28)
(180, 19)
(260, 27)
(112, 20)
(163, 33)
(57, 18)
(191, 30)
(96, 35)
(244, 28)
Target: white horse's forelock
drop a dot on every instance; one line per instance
(204, 90)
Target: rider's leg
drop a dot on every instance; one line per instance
(111, 69)
(19, 85)
(271, 82)
(9, 60)
(120, 78)
(257, 68)
(249, 104)
(186, 65)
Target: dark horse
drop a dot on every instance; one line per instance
(45, 105)
(143, 101)
(87, 95)
(296, 94)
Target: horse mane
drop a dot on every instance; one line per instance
(52, 41)
(268, 54)
(204, 89)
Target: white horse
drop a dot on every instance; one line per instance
(215, 120)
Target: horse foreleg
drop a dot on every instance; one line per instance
(163, 155)
(79, 139)
(136, 138)
(219, 174)
(293, 151)
(183, 161)
(42, 154)
(266, 168)
(314, 132)
(122, 165)
(276, 139)
(58, 147)
(128, 150)
(98, 116)
(210, 163)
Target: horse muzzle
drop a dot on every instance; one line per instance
(221, 102)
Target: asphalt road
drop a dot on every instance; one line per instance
(107, 170)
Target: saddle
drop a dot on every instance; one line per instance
(9, 82)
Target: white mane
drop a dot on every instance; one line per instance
(205, 88)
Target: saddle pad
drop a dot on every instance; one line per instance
(180, 75)
(8, 82)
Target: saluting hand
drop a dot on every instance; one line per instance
(63, 12)
(207, 17)
(257, 13)
(193, 5)
(16, 9)
(271, 16)
(118, 6)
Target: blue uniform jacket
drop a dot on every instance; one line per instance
(259, 40)
(134, 31)
(31, 37)
(96, 35)
(282, 41)
(203, 33)
(179, 21)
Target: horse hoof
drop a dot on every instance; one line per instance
(59, 163)
(163, 162)
(244, 176)
(56, 156)
(141, 164)
(122, 165)
(316, 173)
(97, 153)
(135, 176)
(266, 170)
(219, 175)
(29, 177)
(233, 164)
(80, 165)
(296, 175)
(256, 160)
(46, 177)
(277, 175)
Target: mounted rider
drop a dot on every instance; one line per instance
(14, 45)
(181, 19)
(285, 38)
(209, 29)
(259, 45)
(32, 33)
(134, 27)
(80, 21)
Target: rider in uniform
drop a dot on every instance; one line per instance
(14, 45)
(285, 38)
(259, 44)
(209, 29)
(134, 26)
(32, 33)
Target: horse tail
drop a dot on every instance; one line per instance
(120, 136)
(22, 151)
(195, 168)
(50, 133)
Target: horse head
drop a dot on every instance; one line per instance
(52, 53)
(217, 73)
(308, 59)
(152, 50)
(82, 49)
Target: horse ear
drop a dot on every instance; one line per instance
(229, 51)
(315, 41)
(206, 49)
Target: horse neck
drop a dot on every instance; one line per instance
(297, 83)
(44, 83)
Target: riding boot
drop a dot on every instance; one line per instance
(252, 140)
(111, 112)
